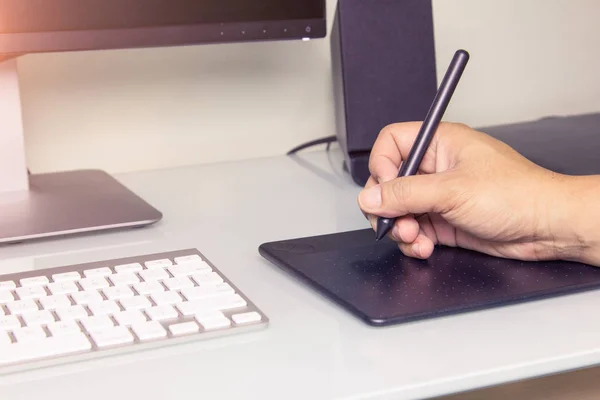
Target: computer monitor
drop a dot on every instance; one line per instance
(34, 206)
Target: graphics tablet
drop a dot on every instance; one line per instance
(381, 286)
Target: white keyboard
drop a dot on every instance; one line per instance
(60, 314)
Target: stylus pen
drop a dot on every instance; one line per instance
(411, 165)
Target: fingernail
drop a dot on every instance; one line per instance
(371, 197)
(417, 250)
(396, 233)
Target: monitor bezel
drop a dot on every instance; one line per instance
(165, 36)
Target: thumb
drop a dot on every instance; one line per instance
(416, 194)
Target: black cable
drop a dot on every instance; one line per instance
(326, 140)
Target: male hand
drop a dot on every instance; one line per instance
(472, 191)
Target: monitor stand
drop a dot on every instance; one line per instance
(55, 204)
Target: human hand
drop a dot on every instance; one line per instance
(472, 191)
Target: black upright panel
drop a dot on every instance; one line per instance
(383, 61)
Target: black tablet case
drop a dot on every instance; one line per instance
(378, 284)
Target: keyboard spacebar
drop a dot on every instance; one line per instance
(216, 303)
(49, 347)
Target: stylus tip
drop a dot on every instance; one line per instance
(382, 228)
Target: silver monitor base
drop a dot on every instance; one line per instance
(66, 203)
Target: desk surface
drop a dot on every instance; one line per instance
(313, 349)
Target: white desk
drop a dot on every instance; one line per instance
(313, 349)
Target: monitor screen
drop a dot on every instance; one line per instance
(54, 25)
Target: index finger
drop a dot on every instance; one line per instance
(391, 147)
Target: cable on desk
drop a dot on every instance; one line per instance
(326, 140)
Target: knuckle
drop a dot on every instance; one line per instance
(373, 165)
(446, 127)
(390, 128)
(400, 128)
(452, 128)
(453, 133)
(387, 130)
(460, 126)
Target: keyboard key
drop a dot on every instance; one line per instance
(19, 307)
(160, 313)
(156, 274)
(209, 322)
(166, 298)
(198, 264)
(64, 287)
(146, 288)
(107, 307)
(149, 330)
(35, 281)
(4, 339)
(63, 328)
(226, 302)
(97, 272)
(199, 292)
(134, 267)
(97, 323)
(7, 285)
(71, 313)
(130, 317)
(29, 334)
(38, 318)
(182, 270)
(112, 336)
(125, 278)
(211, 279)
(178, 283)
(117, 292)
(163, 263)
(135, 303)
(66, 276)
(87, 297)
(94, 283)
(49, 347)
(6, 296)
(204, 315)
(183, 328)
(9, 322)
(31, 292)
(215, 303)
(216, 324)
(246, 318)
(186, 308)
(188, 269)
(187, 259)
(55, 301)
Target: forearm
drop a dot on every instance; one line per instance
(577, 228)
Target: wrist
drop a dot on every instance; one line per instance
(575, 218)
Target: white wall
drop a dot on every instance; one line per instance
(145, 109)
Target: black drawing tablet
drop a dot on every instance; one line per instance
(381, 286)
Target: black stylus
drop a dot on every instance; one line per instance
(427, 131)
